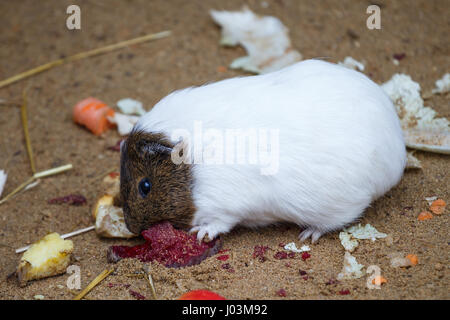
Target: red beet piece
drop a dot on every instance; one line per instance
(167, 245)
(137, 295)
(332, 281)
(259, 252)
(344, 292)
(305, 255)
(72, 199)
(201, 295)
(227, 267)
(113, 174)
(223, 257)
(302, 272)
(113, 285)
(399, 56)
(116, 147)
(280, 255)
(281, 293)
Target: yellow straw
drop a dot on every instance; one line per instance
(23, 112)
(83, 55)
(93, 283)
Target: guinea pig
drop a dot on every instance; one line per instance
(316, 144)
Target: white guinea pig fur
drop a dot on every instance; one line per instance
(340, 147)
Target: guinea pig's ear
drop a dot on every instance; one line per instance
(149, 148)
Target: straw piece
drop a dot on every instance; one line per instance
(104, 173)
(152, 286)
(52, 171)
(64, 236)
(93, 283)
(36, 176)
(23, 185)
(83, 55)
(23, 112)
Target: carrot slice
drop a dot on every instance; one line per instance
(413, 258)
(92, 113)
(379, 280)
(438, 206)
(425, 215)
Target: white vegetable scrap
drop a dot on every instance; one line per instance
(351, 269)
(110, 223)
(265, 39)
(131, 106)
(442, 85)
(420, 127)
(366, 232)
(412, 162)
(3, 177)
(109, 219)
(348, 244)
(430, 200)
(398, 260)
(292, 247)
(125, 123)
(351, 63)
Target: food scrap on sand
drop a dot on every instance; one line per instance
(72, 199)
(398, 260)
(265, 39)
(379, 280)
(92, 113)
(351, 269)
(3, 177)
(167, 245)
(201, 295)
(48, 257)
(412, 162)
(438, 206)
(109, 219)
(442, 85)
(281, 293)
(346, 241)
(424, 215)
(358, 232)
(259, 252)
(422, 130)
(366, 232)
(351, 63)
(131, 106)
(124, 122)
(292, 247)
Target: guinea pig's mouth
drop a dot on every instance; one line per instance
(133, 225)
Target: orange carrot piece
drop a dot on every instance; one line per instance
(379, 280)
(438, 206)
(413, 258)
(221, 69)
(92, 113)
(425, 215)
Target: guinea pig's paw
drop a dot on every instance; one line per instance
(312, 232)
(212, 230)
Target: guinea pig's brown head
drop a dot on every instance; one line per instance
(152, 187)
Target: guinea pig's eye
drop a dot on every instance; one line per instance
(144, 187)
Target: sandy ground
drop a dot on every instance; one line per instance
(34, 32)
